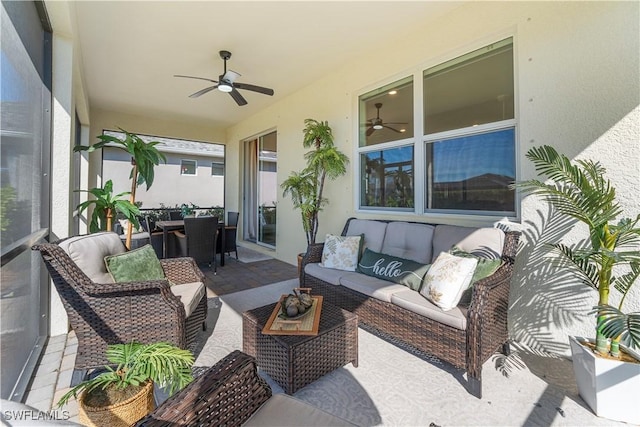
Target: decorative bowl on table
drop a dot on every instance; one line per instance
(297, 305)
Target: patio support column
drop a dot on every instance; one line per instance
(61, 162)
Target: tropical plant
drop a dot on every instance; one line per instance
(134, 364)
(306, 187)
(105, 207)
(188, 209)
(144, 157)
(581, 192)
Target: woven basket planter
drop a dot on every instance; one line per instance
(121, 414)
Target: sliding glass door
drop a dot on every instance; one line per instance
(260, 189)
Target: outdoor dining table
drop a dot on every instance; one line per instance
(178, 224)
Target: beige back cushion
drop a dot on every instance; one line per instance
(483, 242)
(409, 241)
(373, 231)
(88, 252)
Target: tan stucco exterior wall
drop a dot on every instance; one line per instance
(578, 89)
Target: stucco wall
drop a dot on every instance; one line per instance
(577, 88)
(169, 186)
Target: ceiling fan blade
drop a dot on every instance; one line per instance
(230, 76)
(389, 127)
(370, 131)
(237, 97)
(395, 123)
(203, 91)
(192, 77)
(254, 88)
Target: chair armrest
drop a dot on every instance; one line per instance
(107, 289)
(182, 270)
(227, 395)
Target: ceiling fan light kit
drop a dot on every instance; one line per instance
(227, 83)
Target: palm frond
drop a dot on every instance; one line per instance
(613, 323)
(580, 262)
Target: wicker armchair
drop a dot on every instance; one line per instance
(231, 393)
(226, 395)
(112, 313)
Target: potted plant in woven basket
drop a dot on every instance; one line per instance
(123, 393)
(607, 260)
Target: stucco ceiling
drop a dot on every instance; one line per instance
(129, 51)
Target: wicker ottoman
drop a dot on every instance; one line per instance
(295, 361)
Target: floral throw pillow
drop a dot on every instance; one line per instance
(341, 252)
(447, 279)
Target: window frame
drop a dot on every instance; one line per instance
(195, 162)
(420, 140)
(212, 168)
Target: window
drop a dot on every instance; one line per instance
(466, 156)
(388, 178)
(188, 167)
(386, 114)
(217, 168)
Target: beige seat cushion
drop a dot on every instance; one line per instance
(89, 251)
(190, 295)
(371, 286)
(409, 241)
(482, 242)
(285, 411)
(413, 301)
(329, 275)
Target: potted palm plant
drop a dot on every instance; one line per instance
(582, 192)
(123, 393)
(144, 157)
(306, 187)
(106, 205)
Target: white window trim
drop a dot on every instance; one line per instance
(189, 174)
(468, 218)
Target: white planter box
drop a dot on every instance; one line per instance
(610, 388)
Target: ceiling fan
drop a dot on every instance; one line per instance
(227, 83)
(378, 123)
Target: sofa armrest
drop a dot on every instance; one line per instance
(313, 255)
(226, 394)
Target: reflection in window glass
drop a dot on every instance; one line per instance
(386, 114)
(473, 172)
(188, 167)
(387, 178)
(473, 89)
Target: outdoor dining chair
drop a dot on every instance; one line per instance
(199, 239)
(231, 231)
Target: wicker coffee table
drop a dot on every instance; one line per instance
(293, 361)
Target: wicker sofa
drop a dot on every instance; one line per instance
(465, 336)
(231, 393)
(102, 312)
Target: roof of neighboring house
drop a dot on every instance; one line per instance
(181, 146)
